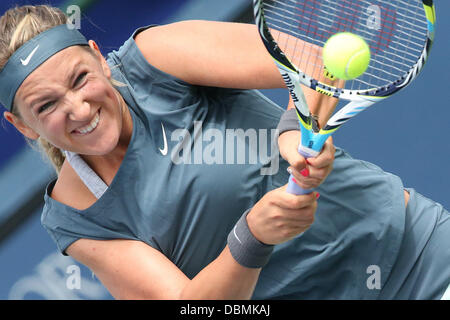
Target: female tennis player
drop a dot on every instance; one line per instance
(153, 227)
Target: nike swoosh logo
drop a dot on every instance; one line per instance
(165, 148)
(28, 59)
(234, 232)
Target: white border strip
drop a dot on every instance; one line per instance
(446, 295)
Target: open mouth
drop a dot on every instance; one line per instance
(89, 127)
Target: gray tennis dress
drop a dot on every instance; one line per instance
(186, 179)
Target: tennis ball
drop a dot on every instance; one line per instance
(346, 55)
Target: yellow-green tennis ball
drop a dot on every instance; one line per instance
(346, 55)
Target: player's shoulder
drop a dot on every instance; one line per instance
(70, 190)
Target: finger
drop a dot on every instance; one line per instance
(297, 162)
(288, 143)
(299, 175)
(299, 217)
(309, 185)
(290, 149)
(295, 202)
(310, 179)
(310, 174)
(325, 157)
(317, 174)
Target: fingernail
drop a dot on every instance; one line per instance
(304, 172)
(317, 195)
(289, 170)
(307, 161)
(294, 180)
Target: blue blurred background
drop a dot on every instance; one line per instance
(411, 141)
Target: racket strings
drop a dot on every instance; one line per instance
(395, 31)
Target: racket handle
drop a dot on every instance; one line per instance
(292, 187)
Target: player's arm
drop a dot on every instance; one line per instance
(209, 53)
(222, 54)
(133, 270)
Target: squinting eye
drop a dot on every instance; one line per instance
(80, 78)
(45, 106)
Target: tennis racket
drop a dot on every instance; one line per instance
(400, 34)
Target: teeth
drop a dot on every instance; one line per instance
(91, 126)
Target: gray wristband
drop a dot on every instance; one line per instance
(245, 248)
(288, 121)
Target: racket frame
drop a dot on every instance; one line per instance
(359, 100)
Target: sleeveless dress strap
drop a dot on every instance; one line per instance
(92, 181)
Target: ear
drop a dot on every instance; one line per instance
(105, 66)
(20, 126)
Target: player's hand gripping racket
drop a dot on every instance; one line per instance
(399, 33)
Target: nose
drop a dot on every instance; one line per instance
(77, 108)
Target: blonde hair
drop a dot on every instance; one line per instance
(17, 26)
